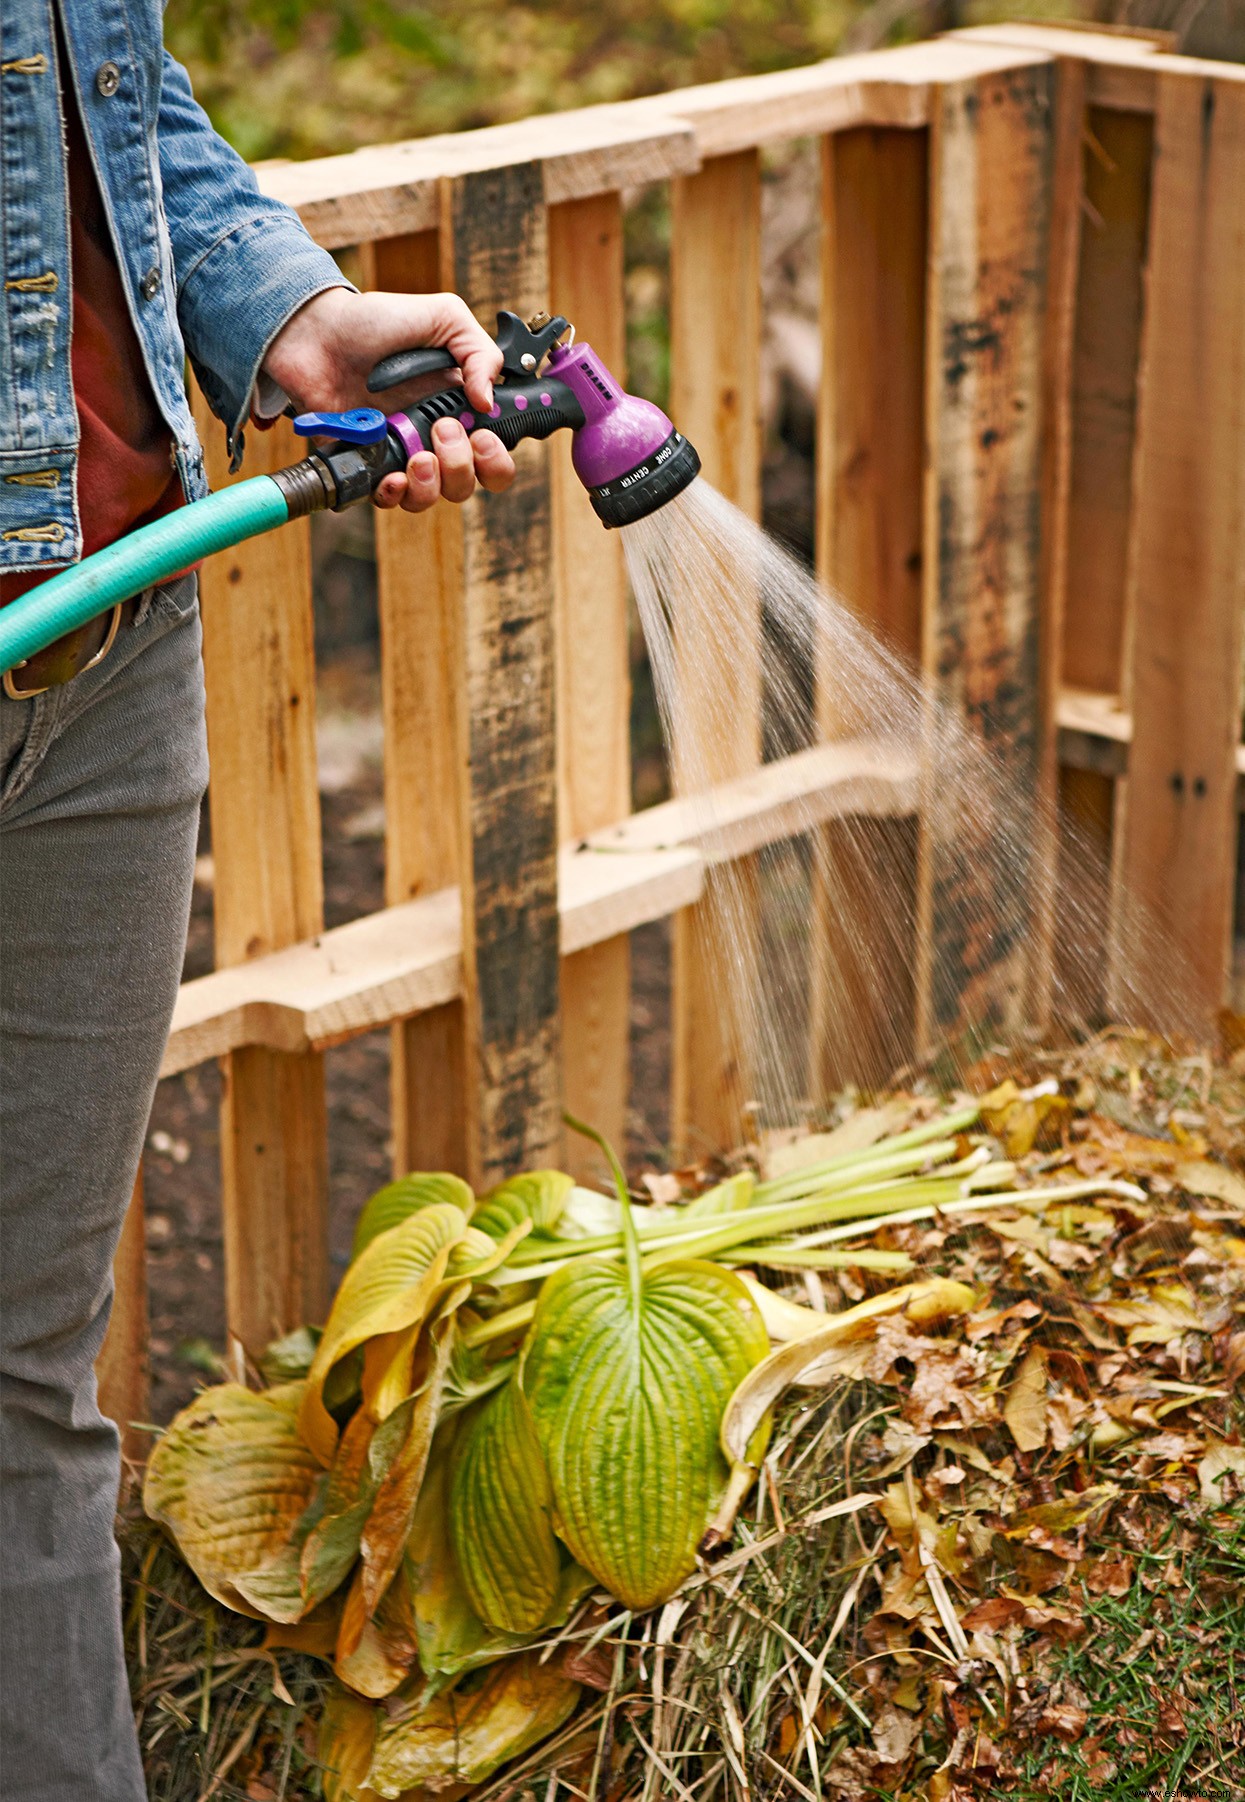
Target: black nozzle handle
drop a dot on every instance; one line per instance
(405, 365)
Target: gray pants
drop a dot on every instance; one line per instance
(100, 784)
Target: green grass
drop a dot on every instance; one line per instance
(1196, 1653)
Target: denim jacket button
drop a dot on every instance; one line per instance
(149, 287)
(108, 79)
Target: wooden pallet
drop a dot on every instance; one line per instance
(1031, 476)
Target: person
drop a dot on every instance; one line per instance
(131, 236)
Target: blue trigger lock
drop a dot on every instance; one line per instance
(361, 425)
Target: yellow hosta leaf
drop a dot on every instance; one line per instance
(375, 1652)
(396, 1202)
(799, 1361)
(230, 1480)
(536, 1199)
(390, 1286)
(466, 1734)
(500, 1508)
(346, 1739)
(628, 1373)
(1025, 1408)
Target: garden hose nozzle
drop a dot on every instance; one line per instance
(625, 451)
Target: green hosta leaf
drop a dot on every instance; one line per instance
(537, 1197)
(289, 1359)
(396, 1202)
(231, 1480)
(729, 1197)
(390, 1287)
(500, 1506)
(628, 1373)
(451, 1636)
(465, 1734)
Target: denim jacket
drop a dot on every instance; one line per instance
(209, 264)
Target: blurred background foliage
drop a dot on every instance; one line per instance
(297, 78)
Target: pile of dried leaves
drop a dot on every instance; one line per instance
(1002, 1555)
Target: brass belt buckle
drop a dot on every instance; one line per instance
(26, 694)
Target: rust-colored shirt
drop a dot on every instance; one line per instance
(125, 455)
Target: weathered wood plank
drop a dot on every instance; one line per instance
(123, 1368)
(594, 679)
(494, 250)
(1056, 402)
(1187, 557)
(1116, 160)
(419, 562)
(869, 525)
(715, 331)
(259, 663)
(408, 958)
(391, 190)
(988, 294)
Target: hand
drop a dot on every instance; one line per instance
(323, 355)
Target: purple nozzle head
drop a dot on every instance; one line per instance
(627, 454)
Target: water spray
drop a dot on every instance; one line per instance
(625, 451)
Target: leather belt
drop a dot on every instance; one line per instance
(71, 655)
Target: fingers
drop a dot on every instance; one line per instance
(478, 356)
(493, 463)
(451, 473)
(453, 448)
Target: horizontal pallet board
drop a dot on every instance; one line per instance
(1095, 731)
(407, 959)
(389, 189)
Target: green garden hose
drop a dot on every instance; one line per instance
(141, 560)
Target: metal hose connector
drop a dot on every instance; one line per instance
(307, 487)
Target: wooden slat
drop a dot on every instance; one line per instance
(1116, 172)
(419, 582)
(869, 526)
(594, 686)
(123, 1366)
(259, 663)
(407, 959)
(1187, 555)
(494, 251)
(989, 253)
(715, 328)
(389, 190)
(1056, 400)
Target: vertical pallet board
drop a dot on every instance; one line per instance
(419, 580)
(1068, 131)
(1187, 558)
(123, 1366)
(715, 332)
(1116, 161)
(869, 524)
(258, 655)
(494, 252)
(990, 215)
(594, 679)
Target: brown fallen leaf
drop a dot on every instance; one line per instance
(1062, 1719)
(1110, 1577)
(894, 1734)
(1025, 1408)
(1215, 1182)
